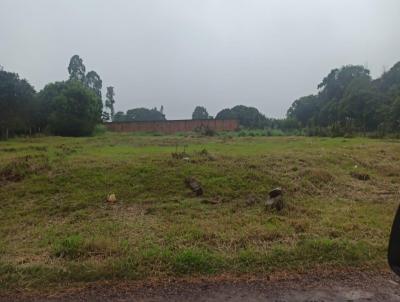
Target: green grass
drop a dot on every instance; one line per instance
(56, 227)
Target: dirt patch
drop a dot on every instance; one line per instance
(322, 286)
(360, 176)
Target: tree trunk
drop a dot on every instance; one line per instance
(6, 133)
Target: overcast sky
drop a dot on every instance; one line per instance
(215, 53)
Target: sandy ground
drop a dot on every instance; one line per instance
(313, 287)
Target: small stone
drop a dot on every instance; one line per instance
(275, 192)
(275, 200)
(111, 198)
(194, 185)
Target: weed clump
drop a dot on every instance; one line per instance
(70, 247)
(194, 261)
(64, 150)
(75, 247)
(360, 176)
(317, 177)
(22, 167)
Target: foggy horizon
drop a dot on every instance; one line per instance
(212, 53)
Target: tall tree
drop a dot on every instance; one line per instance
(17, 104)
(334, 85)
(200, 113)
(110, 101)
(94, 82)
(304, 109)
(76, 69)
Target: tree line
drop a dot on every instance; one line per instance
(249, 117)
(71, 108)
(348, 101)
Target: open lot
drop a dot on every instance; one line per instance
(56, 227)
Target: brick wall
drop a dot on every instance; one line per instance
(173, 126)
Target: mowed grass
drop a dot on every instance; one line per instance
(57, 229)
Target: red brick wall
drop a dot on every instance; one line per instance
(173, 126)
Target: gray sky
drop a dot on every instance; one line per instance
(215, 53)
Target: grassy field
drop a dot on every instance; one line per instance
(56, 227)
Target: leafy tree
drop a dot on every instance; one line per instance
(17, 104)
(73, 109)
(348, 100)
(120, 117)
(304, 110)
(248, 116)
(200, 113)
(110, 101)
(225, 114)
(144, 114)
(389, 82)
(394, 115)
(46, 104)
(76, 69)
(334, 85)
(94, 82)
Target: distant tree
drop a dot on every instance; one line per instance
(389, 82)
(248, 117)
(76, 69)
(200, 113)
(144, 114)
(17, 104)
(120, 117)
(334, 85)
(225, 114)
(162, 109)
(304, 110)
(94, 82)
(74, 109)
(394, 115)
(110, 101)
(349, 101)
